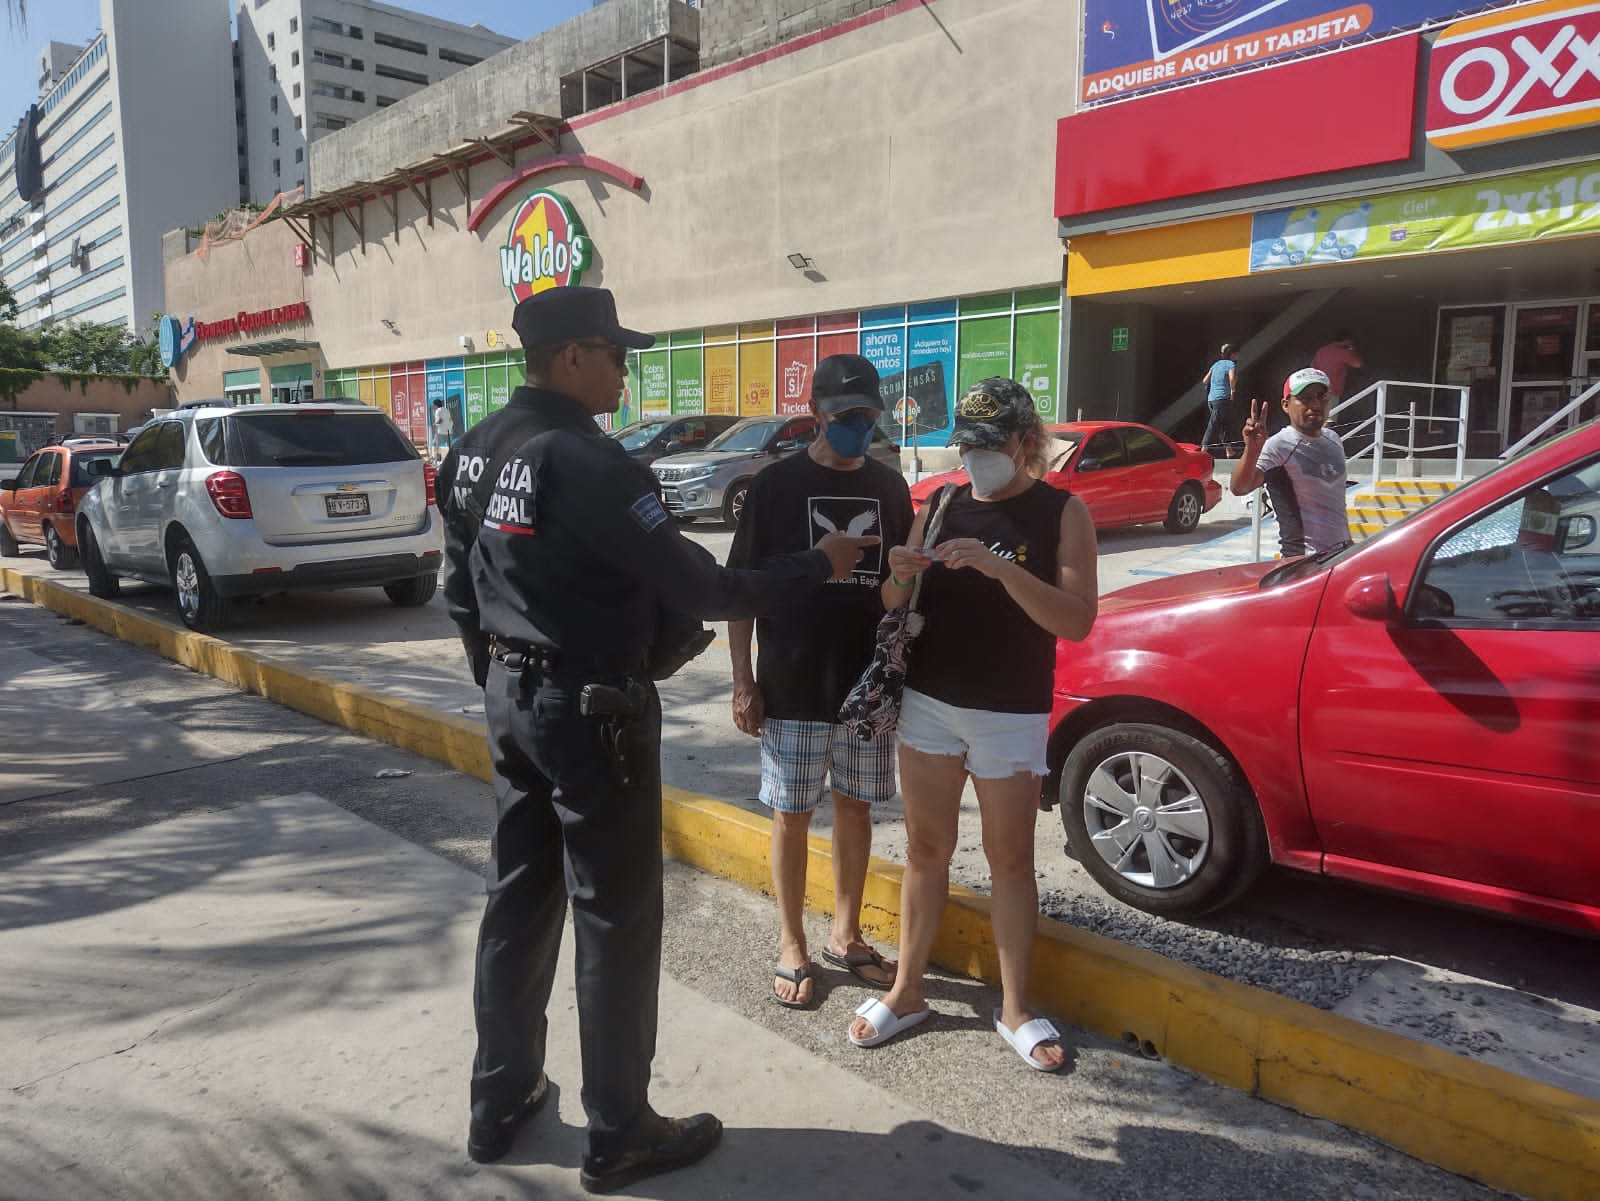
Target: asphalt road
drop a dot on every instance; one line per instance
(315, 1047)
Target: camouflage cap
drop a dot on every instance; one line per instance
(990, 412)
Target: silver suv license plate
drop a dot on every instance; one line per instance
(352, 505)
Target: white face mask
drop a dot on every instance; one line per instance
(989, 470)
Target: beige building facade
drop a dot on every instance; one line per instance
(881, 185)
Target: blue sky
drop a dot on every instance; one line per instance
(78, 20)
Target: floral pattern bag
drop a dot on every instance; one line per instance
(873, 706)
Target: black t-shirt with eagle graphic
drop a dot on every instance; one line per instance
(810, 654)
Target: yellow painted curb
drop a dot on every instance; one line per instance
(1479, 1121)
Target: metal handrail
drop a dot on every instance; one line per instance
(1379, 423)
(1549, 422)
(1382, 417)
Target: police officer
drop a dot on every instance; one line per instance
(573, 558)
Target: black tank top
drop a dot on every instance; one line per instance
(978, 649)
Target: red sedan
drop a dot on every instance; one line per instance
(1419, 711)
(1127, 474)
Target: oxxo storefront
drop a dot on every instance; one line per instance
(1436, 191)
(752, 216)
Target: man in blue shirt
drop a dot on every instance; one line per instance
(1219, 378)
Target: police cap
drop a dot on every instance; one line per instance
(572, 314)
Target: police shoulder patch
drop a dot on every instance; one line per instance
(648, 512)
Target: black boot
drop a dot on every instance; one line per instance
(490, 1136)
(669, 1143)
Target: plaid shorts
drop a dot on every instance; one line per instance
(798, 756)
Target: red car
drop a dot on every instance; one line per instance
(1420, 711)
(1127, 474)
(40, 504)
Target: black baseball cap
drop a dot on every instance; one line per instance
(844, 382)
(571, 314)
(990, 412)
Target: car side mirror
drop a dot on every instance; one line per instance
(784, 445)
(673, 447)
(1088, 464)
(1371, 597)
(10, 484)
(1578, 532)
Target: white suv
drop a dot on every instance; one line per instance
(221, 503)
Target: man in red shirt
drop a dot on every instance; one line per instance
(1335, 360)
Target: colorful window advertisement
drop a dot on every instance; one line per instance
(796, 361)
(654, 386)
(925, 353)
(455, 393)
(722, 379)
(758, 390)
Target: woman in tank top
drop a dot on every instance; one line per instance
(1012, 571)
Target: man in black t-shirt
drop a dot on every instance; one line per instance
(811, 655)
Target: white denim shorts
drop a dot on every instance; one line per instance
(993, 745)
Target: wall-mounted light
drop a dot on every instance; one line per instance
(389, 325)
(466, 341)
(799, 261)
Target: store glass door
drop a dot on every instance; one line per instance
(1542, 353)
(1589, 362)
(1470, 345)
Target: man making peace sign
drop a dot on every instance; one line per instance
(1302, 466)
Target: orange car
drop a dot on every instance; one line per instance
(40, 504)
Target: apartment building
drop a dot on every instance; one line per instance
(118, 149)
(308, 67)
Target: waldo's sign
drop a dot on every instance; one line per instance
(547, 247)
(1526, 70)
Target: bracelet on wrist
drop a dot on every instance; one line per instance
(898, 582)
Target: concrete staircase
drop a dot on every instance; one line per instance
(1375, 507)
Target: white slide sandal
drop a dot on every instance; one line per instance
(1026, 1037)
(886, 1024)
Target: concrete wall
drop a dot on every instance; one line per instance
(731, 29)
(175, 129)
(889, 156)
(130, 404)
(480, 100)
(249, 275)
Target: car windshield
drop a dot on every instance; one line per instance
(1297, 569)
(1062, 444)
(313, 438)
(90, 465)
(748, 435)
(639, 435)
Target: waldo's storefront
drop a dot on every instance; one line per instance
(751, 216)
(1428, 183)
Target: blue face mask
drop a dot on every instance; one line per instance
(850, 434)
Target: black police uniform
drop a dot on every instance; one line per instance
(573, 558)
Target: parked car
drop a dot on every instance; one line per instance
(651, 439)
(39, 505)
(1418, 711)
(221, 503)
(713, 482)
(1126, 473)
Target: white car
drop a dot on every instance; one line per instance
(221, 503)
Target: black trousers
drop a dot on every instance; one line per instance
(568, 830)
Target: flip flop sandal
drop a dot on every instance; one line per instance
(1027, 1037)
(886, 1024)
(854, 961)
(796, 975)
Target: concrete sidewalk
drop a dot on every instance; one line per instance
(269, 1002)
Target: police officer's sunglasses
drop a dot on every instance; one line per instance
(619, 354)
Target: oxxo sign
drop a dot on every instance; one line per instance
(1525, 70)
(547, 247)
